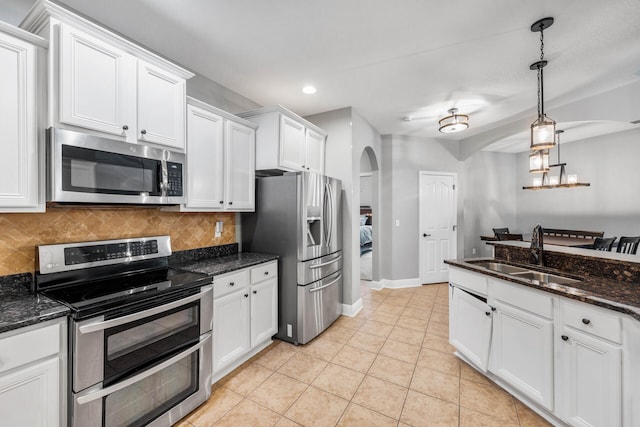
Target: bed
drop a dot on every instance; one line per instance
(366, 232)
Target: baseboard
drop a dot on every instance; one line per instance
(352, 310)
(396, 284)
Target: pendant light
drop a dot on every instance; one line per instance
(544, 128)
(546, 182)
(454, 122)
(539, 161)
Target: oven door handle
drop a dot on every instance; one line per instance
(106, 324)
(98, 394)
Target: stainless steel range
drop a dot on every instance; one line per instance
(140, 334)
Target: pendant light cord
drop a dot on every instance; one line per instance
(540, 78)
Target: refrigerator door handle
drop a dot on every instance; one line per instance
(318, 289)
(330, 216)
(324, 264)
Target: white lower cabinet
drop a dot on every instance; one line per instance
(572, 362)
(591, 380)
(470, 327)
(230, 328)
(522, 352)
(32, 375)
(245, 315)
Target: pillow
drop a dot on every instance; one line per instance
(363, 219)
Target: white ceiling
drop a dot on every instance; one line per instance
(389, 59)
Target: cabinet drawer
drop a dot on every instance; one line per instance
(592, 320)
(263, 272)
(475, 282)
(226, 283)
(521, 297)
(25, 347)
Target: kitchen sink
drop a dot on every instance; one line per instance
(525, 273)
(545, 277)
(501, 268)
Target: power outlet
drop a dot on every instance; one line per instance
(218, 229)
(473, 251)
(289, 330)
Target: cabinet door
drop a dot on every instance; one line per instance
(264, 311)
(591, 380)
(470, 327)
(292, 144)
(97, 85)
(231, 335)
(161, 106)
(522, 352)
(240, 154)
(205, 161)
(30, 396)
(19, 174)
(315, 152)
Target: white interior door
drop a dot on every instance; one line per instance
(437, 225)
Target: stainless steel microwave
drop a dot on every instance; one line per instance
(85, 168)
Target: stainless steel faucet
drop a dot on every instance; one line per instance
(537, 245)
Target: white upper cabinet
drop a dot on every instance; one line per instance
(161, 104)
(21, 171)
(240, 154)
(97, 86)
(220, 160)
(314, 156)
(292, 143)
(285, 141)
(102, 83)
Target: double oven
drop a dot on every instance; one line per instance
(140, 333)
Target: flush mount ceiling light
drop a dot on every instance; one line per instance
(309, 90)
(454, 122)
(544, 128)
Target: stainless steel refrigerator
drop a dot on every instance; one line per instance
(298, 218)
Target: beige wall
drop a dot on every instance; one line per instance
(21, 233)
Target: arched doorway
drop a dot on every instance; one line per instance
(369, 219)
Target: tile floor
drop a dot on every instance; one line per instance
(391, 365)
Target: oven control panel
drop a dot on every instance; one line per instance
(84, 254)
(72, 256)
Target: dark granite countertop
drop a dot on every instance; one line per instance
(623, 297)
(215, 266)
(19, 307)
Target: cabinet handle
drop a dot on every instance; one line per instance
(586, 321)
(221, 202)
(426, 235)
(308, 168)
(303, 166)
(488, 313)
(144, 132)
(230, 203)
(255, 292)
(231, 283)
(125, 127)
(564, 338)
(266, 273)
(246, 295)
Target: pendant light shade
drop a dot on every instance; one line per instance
(454, 122)
(539, 161)
(543, 130)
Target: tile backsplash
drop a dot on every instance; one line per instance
(21, 233)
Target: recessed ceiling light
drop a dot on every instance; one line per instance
(309, 90)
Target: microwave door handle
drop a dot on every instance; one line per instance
(100, 326)
(98, 394)
(164, 184)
